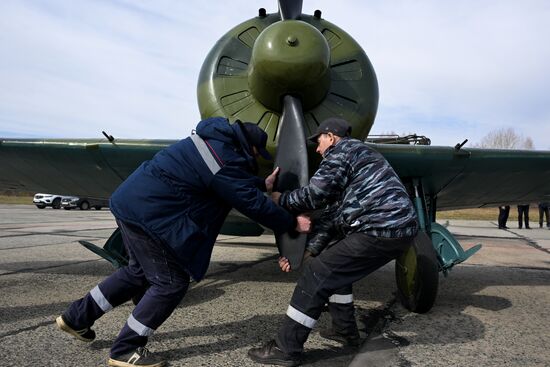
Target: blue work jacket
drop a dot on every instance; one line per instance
(182, 196)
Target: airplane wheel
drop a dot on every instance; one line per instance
(417, 275)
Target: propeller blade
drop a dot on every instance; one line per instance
(292, 160)
(290, 9)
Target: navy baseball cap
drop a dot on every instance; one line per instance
(256, 137)
(337, 126)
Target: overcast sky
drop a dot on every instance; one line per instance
(450, 70)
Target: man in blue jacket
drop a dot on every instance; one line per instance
(170, 211)
(372, 221)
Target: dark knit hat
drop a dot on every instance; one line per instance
(256, 137)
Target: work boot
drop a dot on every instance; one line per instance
(353, 340)
(85, 335)
(140, 357)
(270, 353)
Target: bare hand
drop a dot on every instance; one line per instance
(303, 224)
(275, 195)
(284, 264)
(270, 180)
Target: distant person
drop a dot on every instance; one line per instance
(170, 211)
(544, 209)
(523, 213)
(503, 213)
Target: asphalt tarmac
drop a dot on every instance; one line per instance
(493, 310)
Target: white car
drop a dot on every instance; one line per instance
(43, 200)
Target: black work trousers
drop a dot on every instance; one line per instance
(342, 310)
(544, 211)
(503, 213)
(151, 269)
(337, 267)
(523, 213)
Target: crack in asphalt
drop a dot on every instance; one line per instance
(57, 233)
(376, 320)
(376, 323)
(48, 244)
(534, 244)
(531, 243)
(30, 270)
(507, 267)
(28, 328)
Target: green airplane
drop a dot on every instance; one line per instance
(287, 72)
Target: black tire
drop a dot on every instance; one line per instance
(56, 203)
(417, 275)
(84, 205)
(66, 208)
(40, 206)
(97, 207)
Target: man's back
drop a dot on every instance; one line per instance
(371, 197)
(180, 200)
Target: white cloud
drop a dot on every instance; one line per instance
(448, 70)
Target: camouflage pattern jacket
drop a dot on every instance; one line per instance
(358, 191)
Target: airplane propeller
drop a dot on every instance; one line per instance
(290, 9)
(293, 163)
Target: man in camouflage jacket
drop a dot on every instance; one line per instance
(368, 220)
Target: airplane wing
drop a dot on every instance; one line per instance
(470, 177)
(92, 168)
(464, 178)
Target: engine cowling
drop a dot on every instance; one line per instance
(262, 59)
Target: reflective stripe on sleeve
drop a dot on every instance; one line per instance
(300, 317)
(205, 153)
(138, 327)
(341, 298)
(100, 299)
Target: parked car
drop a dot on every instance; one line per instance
(84, 203)
(43, 200)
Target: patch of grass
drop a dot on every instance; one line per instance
(11, 199)
(482, 213)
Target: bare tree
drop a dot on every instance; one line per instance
(528, 143)
(505, 138)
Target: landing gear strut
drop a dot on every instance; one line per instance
(434, 249)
